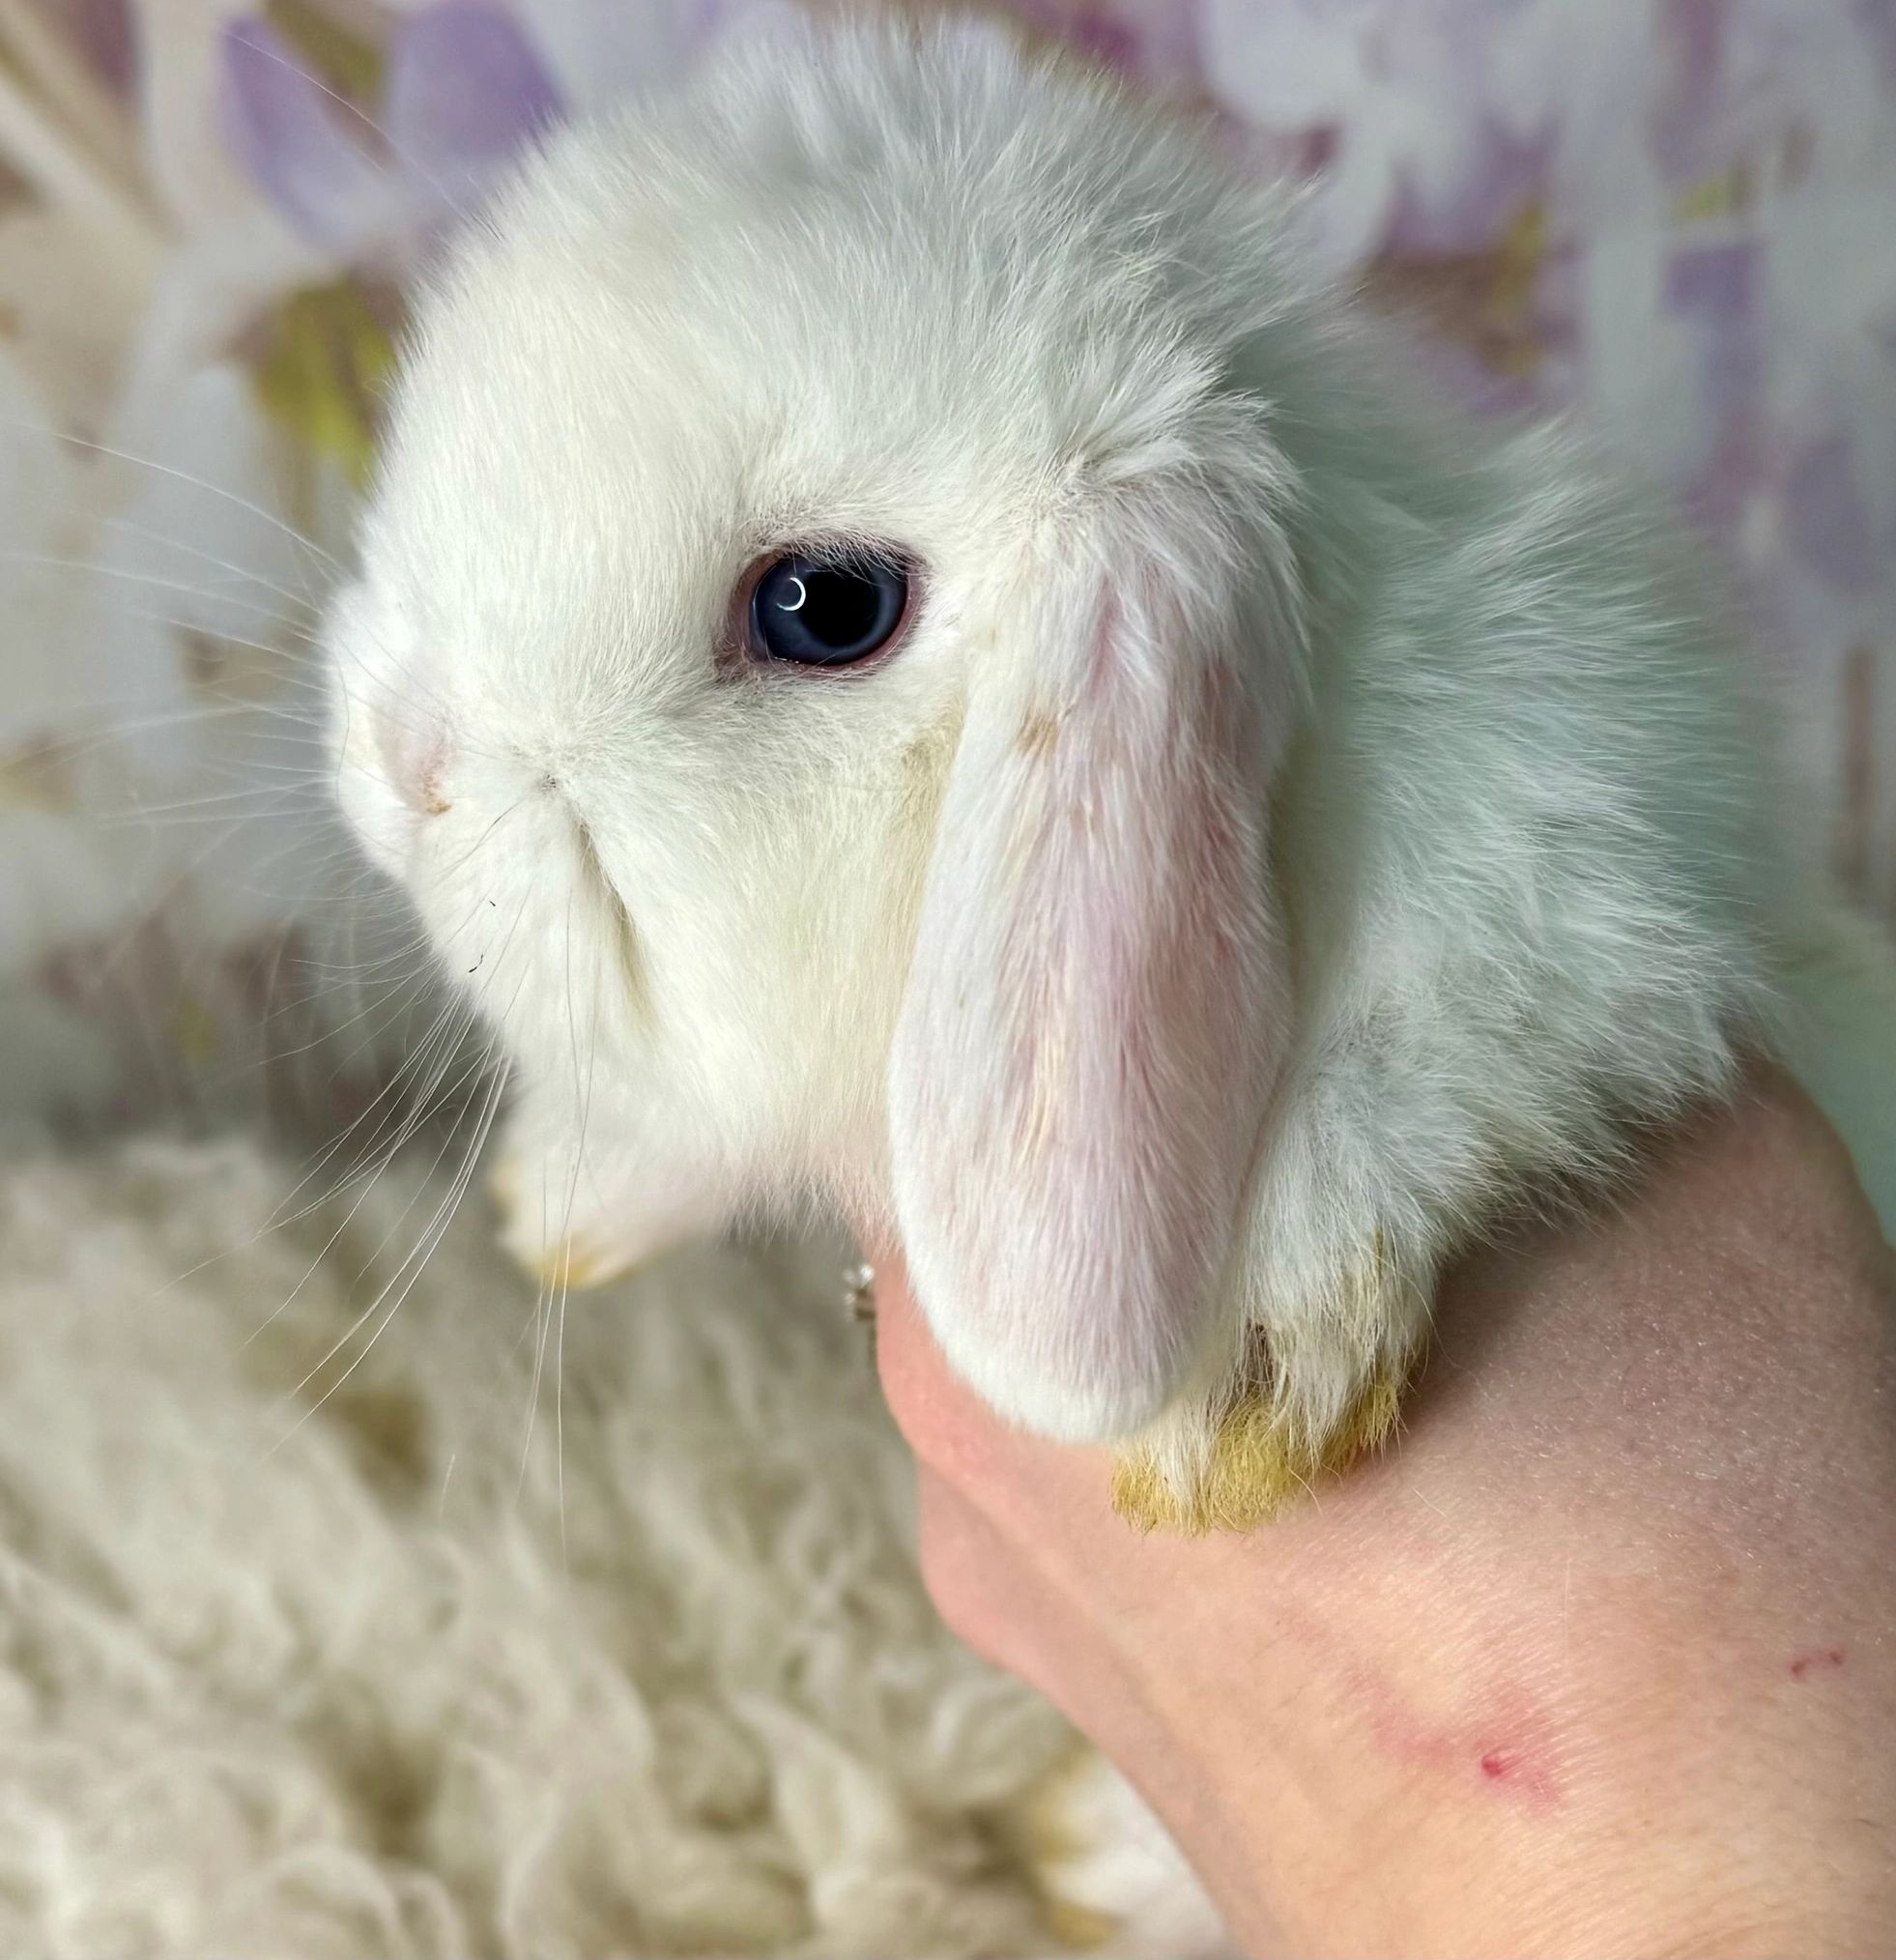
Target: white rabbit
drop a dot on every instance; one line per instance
(1272, 825)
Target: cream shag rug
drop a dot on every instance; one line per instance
(297, 1658)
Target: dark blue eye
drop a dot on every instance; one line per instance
(827, 612)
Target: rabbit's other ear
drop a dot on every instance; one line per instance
(1094, 1013)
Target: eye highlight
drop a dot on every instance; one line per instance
(826, 609)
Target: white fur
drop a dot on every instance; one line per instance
(326, 1670)
(1525, 877)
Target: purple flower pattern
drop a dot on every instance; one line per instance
(464, 90)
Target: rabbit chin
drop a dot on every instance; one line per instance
(564, 1233)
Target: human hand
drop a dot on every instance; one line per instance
(1599, 1658)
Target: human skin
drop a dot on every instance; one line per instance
(1599, 1657)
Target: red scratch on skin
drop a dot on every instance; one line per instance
(1531, 1774)
(1819, 1656)
(1526, 1768)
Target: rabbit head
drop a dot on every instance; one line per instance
(827, 624)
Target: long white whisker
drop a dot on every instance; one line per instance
(289, 530)
(553, 1283)
(59, 562)
(304, 599)
(432, 1235)
(296, 668)
(434, 1055)
(75, 747)
(370, 122)
(369, 1185)
(565, 1276)
(468, 1013)
(400, 991)
(448, 1032)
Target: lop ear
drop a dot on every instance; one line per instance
(1086, 1045)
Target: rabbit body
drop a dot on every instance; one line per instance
(1295, 822)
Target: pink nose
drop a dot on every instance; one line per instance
(416, 758)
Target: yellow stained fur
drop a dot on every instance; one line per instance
(1261, 1461)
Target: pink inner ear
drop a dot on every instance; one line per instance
(1082, 1063)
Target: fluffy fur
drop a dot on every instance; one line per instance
(1297, 823)
(302, 1657)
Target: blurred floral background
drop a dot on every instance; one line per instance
(1673, 215)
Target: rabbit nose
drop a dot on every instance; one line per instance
(415, 761)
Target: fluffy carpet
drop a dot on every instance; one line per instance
(493, 1636)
